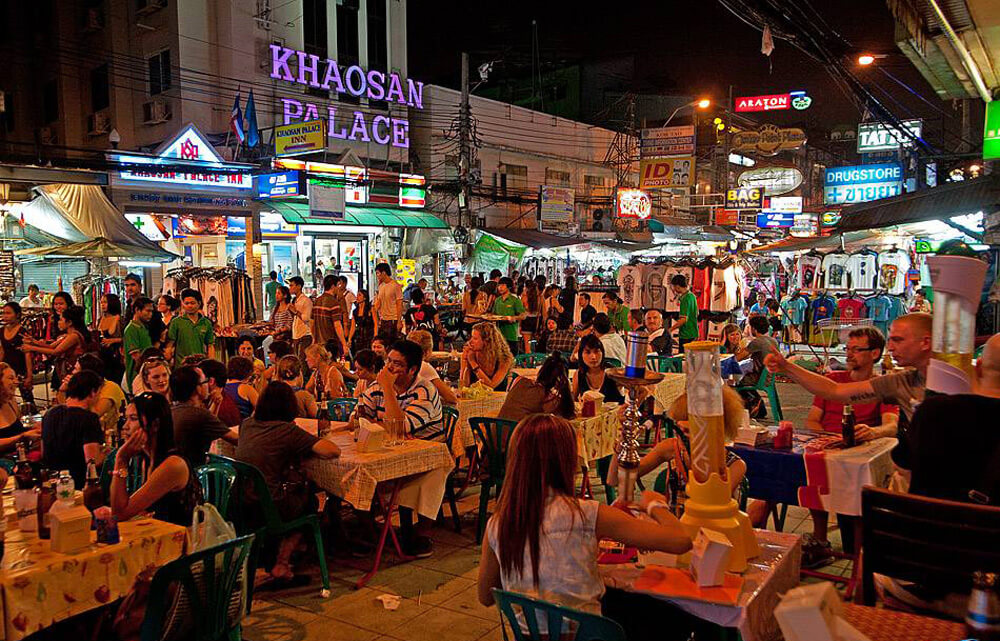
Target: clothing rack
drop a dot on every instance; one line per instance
(88, 289)
(227, 295)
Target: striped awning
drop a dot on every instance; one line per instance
(298, 213)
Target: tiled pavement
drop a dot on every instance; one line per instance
(439, 600)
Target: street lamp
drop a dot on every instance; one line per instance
(701, 103)
(867, 59)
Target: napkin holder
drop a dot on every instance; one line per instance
(70, 529)
(371, 436)
(810, 613)
(710, 557)
(754, 436)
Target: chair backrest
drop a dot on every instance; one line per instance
(208, 580)
(665, 364)
(533, 359)
(612, 362)
(449, 421)
(570, 624)
(7, 465)
(927, 541)
(217, 480)
(136, 473)
(766, 379)
(247, 477)
(494, 434)
(340, 409)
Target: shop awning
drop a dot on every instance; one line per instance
(298, 213)
(533, 238)
(943, 201)
(792, 243)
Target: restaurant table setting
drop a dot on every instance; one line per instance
(666, 392)
(473, 401)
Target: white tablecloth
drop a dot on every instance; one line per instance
(667, 391)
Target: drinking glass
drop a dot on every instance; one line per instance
(396, 431)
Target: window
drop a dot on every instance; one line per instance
(378, 43)
(517, 176)
(100, 94)
(159, 73)
(347, 39)
(314, 37)
(50, 102)
(556, 177)
(592, 184)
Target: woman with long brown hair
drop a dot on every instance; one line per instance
(542, 541)
(532, 301)
(486, 358)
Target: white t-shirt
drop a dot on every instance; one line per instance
(630, 285)
(835, 270)
(673, 301)
(892, 269)
(614, 346)
(808, 271)
(654, 295)
(27, 303)
(427, 372)
(725, 290)
(862, 268)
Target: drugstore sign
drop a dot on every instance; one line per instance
(862, 183)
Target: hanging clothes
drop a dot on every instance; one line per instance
(630, 282)
(850, 308)
(654, 294)
(893, 267)
(808, 271)
(673, 301)
(835, 271)
(862, 268)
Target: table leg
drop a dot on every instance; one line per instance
(387, 530)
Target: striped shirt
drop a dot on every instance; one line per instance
(421, 406)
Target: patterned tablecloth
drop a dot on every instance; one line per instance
(354, 475)
(595, 436)
(468, 408)
(667, 391)
(879, 624)
(41, 587)
(770, 575)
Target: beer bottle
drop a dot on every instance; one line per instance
(322, 413)
(93, 497)
(24, 478)
(982, 619)
(46, 499)
(847, 426)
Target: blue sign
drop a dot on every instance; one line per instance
(282, 185)
(775, 219)
(862, 183)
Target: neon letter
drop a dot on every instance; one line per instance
(279, 63)
(380, 120)
(376, 85)
(400, 133)
(333, 77)
(333, 133)
(395, 90)
(359, 126)
(312, 113)
(292, 109)
(416, 94)
(359, 73)
(310, 69)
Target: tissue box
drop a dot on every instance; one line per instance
(70, 529)
(753, 436)
(809, 613)
(371, 436)
(595, 397)
(710, 557)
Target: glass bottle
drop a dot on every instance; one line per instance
(93, 497)
(982, 618)
(24, 478)
(847, 426)
(46, 499)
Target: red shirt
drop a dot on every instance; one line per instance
(701, 285)
(865, 413)
(228, 412)
(850, 308)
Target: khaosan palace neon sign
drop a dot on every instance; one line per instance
(309, 70)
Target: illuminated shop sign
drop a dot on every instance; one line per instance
(301, 68)
(745, 198)
(769, 221)
(876, 136)
(634, 203)
(287, 184)
(774, 102)
(204, 167)
(862, 183)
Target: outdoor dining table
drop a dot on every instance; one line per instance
(768, 576)
(488, 405)
(881, 624)
(39, 587)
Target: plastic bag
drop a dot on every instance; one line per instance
(208, 528)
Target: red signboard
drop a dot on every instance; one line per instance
(727, 217)
(764, 103)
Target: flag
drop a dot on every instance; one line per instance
(236, 119)
(253, 134)
(766, 42)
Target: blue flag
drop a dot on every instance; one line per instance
(253, 134)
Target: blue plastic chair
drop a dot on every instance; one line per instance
(572, 625)
(217, 480)
(767, 384)
(340, 409)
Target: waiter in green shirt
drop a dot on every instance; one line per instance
(136, 338)
(687, 322)
(616, 311)
(192, 331)
(271, 291)
(510, 306)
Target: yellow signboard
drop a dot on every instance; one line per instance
(300, 138)
(663, 173)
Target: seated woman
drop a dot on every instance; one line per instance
(547, 393)
(734, 343)
(367, 365)
(171, 490)
(245, 348)
(543, 541)
(12, 431)
(326, 379)
(591, 373)
(289, 371)
(423, 338)
(239, 372)
(272, 442)
(544, 332)
(486, 358)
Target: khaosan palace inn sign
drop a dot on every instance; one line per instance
(301, 68)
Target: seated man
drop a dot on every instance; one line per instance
(660, 340)
(194, 426)
(563, 339)
(71, 433)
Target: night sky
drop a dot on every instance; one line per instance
(694, 47)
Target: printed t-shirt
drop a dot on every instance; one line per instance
(654, 294)
(878, 308)
(701, 285)
(892, 269)
(862, 269)
(822, 308)
(850, 308)
(796, 307)
(808, 271)
(673, 300)
(864, 413)
(835, 270)
(629, 281)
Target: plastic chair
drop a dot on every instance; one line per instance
(494, 435)
(534, 359)
(340, 409)
(136, 473)
(449, 420)
(572, 625)
(612, 362)
(7, 465)
(217, 480)
(274, 526)
(665, 364)
(207, 580)
(766, 384)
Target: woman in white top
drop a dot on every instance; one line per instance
(543, 541)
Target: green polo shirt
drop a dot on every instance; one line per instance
(689, 310)
(509, 305)
(190, 338)
(620, 318)
(135, 338)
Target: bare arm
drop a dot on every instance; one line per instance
(661, 453)
(325, 449)
(814, 418)
(489, 574)
(447, 394)
(169, 476)
(666, 534)
(819, 385)
(232, 436)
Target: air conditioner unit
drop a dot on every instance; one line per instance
(46, 136)
(151, 6)
(98, 123)
(155, 111)
(93, 19)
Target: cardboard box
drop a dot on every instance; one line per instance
(809, 613)
(70, 529)
(710, 557)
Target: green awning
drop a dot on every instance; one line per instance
(298, 213)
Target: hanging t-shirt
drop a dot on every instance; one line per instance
(722, 298)
(822, 308)
(862, 269)
(673, 303)
(701, 285)
(892, 269)
(629, 278)
(897, 307)
(714, 332)
(878, 308)
(850, 308)
(796, 308)
(808, 271)
(654, 295)
(835, 270)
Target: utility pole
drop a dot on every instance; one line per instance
(464, 143)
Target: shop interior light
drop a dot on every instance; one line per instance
(704, 103)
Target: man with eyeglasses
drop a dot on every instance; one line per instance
(194, 426)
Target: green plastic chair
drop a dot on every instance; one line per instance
(572, 625)
(350, 385)
(217, 480)
(766, 384)
(274, 525)
(340, 409)
(7, 465)
(665, 364)
(534, 359)
(612, 362)
(136, 474)
(494, 435)
(449, 420)
(207, 580)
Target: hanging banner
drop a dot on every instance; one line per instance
(300, 138)
(665, 173)
(745, 198)
(667, 141)
(556, 204)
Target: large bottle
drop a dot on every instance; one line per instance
(982, 619)
(46, 499)
(847, 426)
(93, 496)
(322, 412)
(24, 477)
